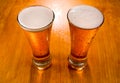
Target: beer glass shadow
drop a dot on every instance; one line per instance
(83, 76)
(38, 76)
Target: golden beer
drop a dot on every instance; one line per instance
(83, 22)
(37, 22)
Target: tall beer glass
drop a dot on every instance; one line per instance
(37, 22)
(84, 22)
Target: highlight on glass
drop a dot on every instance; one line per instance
(36, 21)
(84, 21)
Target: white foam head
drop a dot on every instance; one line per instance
(86, 17)
(35, 18)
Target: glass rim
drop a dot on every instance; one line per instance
(38, 29)
(83, 27)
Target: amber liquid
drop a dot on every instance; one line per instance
(39, 42)
(80, 41)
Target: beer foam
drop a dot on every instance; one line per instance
(86, 17)
(35, 18)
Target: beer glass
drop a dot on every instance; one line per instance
(36, 21)
(84, 22)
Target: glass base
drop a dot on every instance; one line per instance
(77, 65)
(41, 65)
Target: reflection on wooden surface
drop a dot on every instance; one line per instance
(16, 55)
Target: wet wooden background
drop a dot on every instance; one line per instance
(16, 55)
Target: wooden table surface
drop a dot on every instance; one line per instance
(16, 55)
